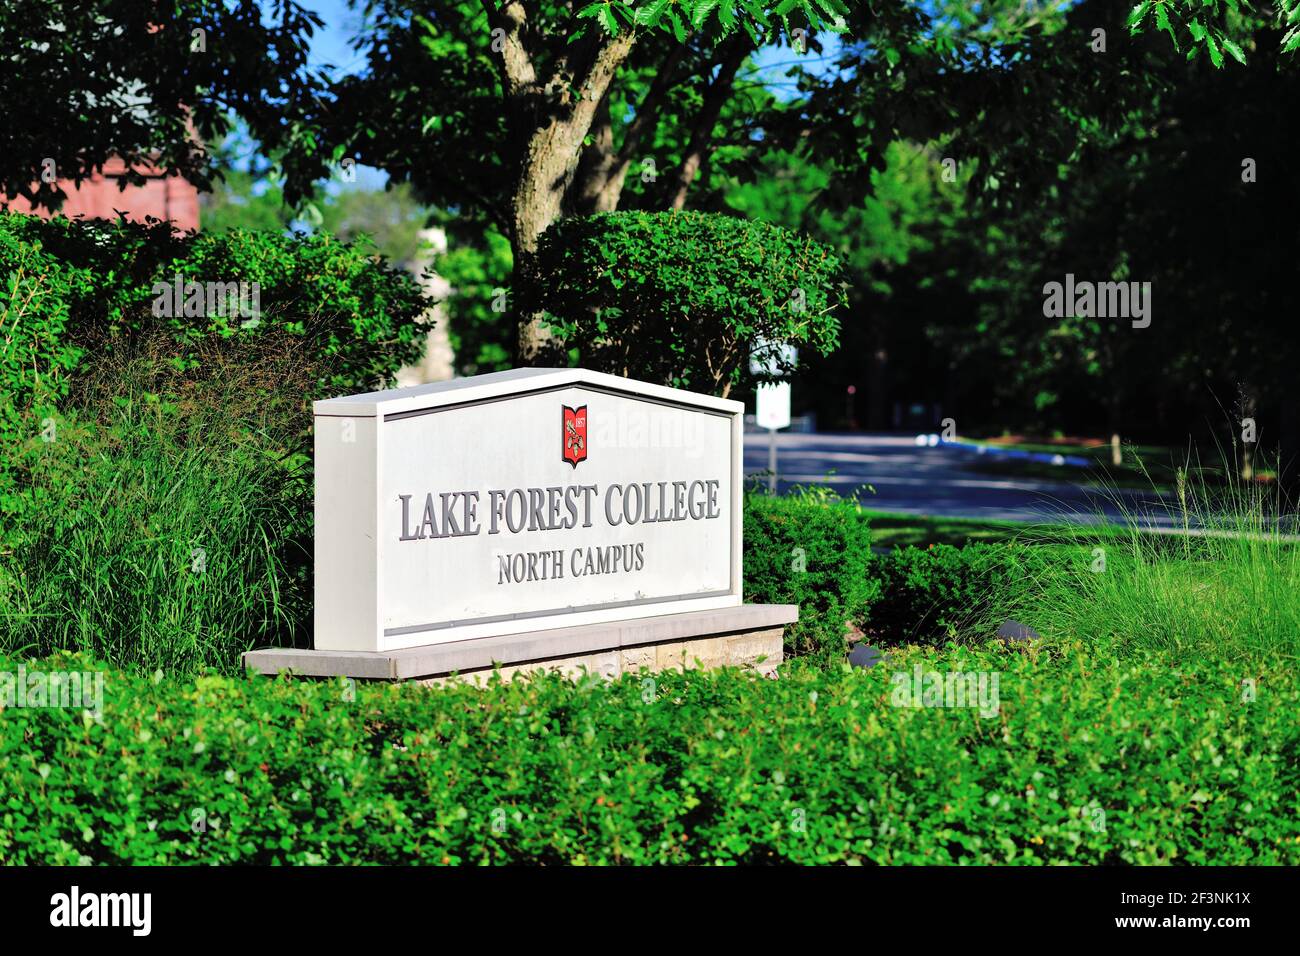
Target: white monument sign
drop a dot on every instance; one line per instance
(521, 501)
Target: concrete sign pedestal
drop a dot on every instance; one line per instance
(746, 636)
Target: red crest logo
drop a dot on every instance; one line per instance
(574, 430)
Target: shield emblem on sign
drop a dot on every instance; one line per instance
(574, 434)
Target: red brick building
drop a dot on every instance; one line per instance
(163, 197)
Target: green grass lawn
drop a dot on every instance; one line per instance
(1144, 467)
(891, 529)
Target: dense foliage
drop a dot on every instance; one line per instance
(105, 80)
(76, 292)
(682, 298)
(814, 551)
(90, 284)
(37, 353)
(155, 489)
(1086, 758)
(933, 595)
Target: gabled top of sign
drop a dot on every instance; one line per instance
(517, 381)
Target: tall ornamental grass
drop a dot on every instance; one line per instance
(1212, 568)
(162, 520)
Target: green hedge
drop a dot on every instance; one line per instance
(812, 550)
(932, 595)
(1090, 759)
(75, 290)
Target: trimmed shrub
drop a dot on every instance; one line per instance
(681, 298)
(1089, 759)
(933, 595)
(812, 550)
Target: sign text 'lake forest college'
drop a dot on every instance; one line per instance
(521, 501)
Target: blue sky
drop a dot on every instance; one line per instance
(330, 42)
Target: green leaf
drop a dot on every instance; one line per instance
(649, 16)
(1216, 57)
(702, 11)
(1162, 22)
(679, 28)
(608, 21)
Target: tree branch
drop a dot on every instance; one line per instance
(702, 132)
(648, 112)
(600, 179)
(518, 72)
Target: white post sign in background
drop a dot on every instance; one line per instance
(772, 399)
(521, 501)
(773, 405)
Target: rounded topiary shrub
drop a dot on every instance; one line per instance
(812, 551)
(681, 298)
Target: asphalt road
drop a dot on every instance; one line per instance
(936, 481)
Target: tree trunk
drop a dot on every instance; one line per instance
(551, 124)
(592, 190)
(549, 165)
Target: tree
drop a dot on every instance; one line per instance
(148, 83)
(245, 194)
(511, 111)
(477, 267)
(493, 107)
(908, 270)
(393, 219)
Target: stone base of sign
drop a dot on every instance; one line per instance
(746, 636)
